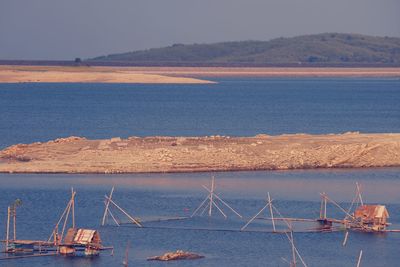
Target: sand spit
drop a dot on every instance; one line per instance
(33, 74)
(14, 74)
(195, 154)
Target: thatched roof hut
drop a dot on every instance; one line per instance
(373, 215)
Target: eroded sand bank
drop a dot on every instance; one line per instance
(191, 154)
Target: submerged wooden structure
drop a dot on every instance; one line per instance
(295, 254)
(109, 203)
(358, 217)
(212, 200)
(60, 242)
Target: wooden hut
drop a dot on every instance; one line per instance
(372, 216)
(81, 238)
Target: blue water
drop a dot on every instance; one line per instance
(150, 196)
(239, 107)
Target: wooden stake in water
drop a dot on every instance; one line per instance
(212, 199)
(125, 261)
(345, 238)
(64, 216)
(8, 228)
(270, 210)
(211, 195)
(269, 204)
(107, 205)
(359, 259)
(108, 202)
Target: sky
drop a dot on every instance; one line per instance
(64, 30)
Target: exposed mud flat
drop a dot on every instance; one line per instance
(195, 154)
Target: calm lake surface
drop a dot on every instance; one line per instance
(240, 107)
(152, 196)
(40, 112)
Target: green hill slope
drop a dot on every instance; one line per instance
(327, 48)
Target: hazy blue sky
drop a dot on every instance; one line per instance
(56, 29)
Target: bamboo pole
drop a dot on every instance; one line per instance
(359, 259)
(219, 210)
(293, 249)
(106, 209)
(112, 216)
(290, 219)
(205, 208)
(55, 230)
(223, 202)
(345, 238)
(211, 196)
(8, 228)
(202, 203)
(359, 193)
(65, 221)
(321, 209)
(289, 225)
(337, 205)
(14, 221)
(272, 214)
(254, 217)
(73, 208)
(124, 212)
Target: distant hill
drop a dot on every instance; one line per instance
(326, 48)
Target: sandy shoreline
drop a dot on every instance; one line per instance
(177, 75)
(198, 154)
(38, 74)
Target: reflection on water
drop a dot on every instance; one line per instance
(378, 184)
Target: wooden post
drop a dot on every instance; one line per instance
(211, 196)
(73, 207)
(8, 228)
(270, 210)
(124, 212)
(222, 201)
(65, 221)
(359, 259)
(106, 209)
(201, 205)
(359, 193)
(345, 238)
(67, 209)
(293, 249)
(15, 221)
(321, 208)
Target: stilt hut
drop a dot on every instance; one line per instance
(81, 238)
(374, 217)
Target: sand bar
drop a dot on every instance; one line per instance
(178, 75)
(38, 74)
(196, 154)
